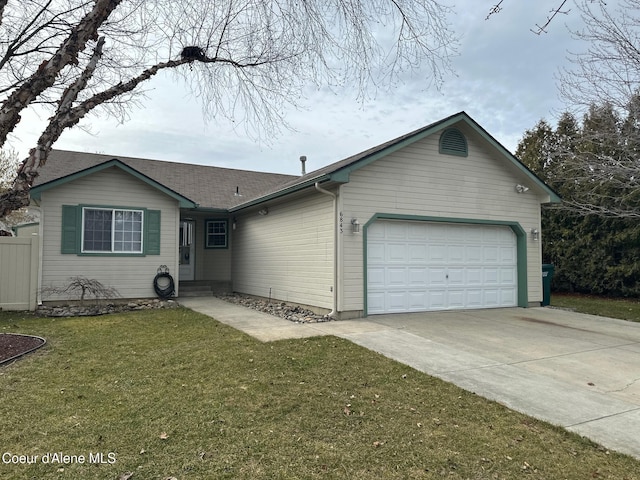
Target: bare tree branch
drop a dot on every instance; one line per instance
(46, 74)
(553, 13)
(244, 60)
(495, 9)
(3, 3)
(556, 11)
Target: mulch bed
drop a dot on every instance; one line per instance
(13, 345)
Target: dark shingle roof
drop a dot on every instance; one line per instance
(215, 187)
(210, 187)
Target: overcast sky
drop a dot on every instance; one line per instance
(504, 79)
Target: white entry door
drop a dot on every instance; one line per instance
(187, 250)
(422, 266)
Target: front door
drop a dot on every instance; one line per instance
(187, 250)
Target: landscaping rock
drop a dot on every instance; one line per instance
(293, 313)
(103, 308)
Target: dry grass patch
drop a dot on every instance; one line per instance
(176, 394)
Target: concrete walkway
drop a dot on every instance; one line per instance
(578, 371)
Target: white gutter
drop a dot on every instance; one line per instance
(333, 312)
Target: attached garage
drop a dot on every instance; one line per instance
(417, 266)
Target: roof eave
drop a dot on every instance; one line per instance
(344, 172)
(184, 202)
(285, 191)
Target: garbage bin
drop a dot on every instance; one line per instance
(547, 275)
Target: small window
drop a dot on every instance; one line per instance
(111, 230)
(216, 234)
(453, 142)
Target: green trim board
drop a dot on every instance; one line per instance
(521, 247)
(71, 231)
(184, 202)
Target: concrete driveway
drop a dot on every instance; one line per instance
(578, 371)
(581, 372)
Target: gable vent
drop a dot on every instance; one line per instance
(453, 142)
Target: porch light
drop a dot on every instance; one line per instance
(355, 225)
(535, 234)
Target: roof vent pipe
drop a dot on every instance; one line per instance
(303, 159)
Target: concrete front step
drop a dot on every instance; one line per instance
(202, 288)
(196, 293)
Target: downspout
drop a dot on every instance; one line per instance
(334, 311)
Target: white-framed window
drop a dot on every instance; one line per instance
(112, 230)
(216, 234)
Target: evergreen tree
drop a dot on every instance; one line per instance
(591, 162)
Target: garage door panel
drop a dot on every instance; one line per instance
(396, 252)
(396, 277)
(417, 232)
(508, 255)
(397, 301)
(508, 297)
(437, 253)
(456, 299)
(456, 276)
(417, 253)
(418, 276)
(437, 277)
(474, 276)
(473, 254)
(492, 298)
(491, 276)
(437, 299)
(375, 253)
(474, 298)
(375, 277)
(396, 230)
(417, 266)
(456, 254)
(490, 255)
(418, 301)
(375, 302)
(507, 276)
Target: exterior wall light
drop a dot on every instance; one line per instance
(521, 188)
(535, 234)
(263, 212)
(355, 225)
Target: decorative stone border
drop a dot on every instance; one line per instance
(103, 308)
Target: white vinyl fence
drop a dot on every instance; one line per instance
(19, 272)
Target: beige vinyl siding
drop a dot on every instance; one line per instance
(418, 180)
(287, 253)
(132, 276)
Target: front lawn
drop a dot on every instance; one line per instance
(162, 394)
(626, 309)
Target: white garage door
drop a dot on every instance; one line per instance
(420, 266)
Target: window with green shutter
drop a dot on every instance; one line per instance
(89, 230)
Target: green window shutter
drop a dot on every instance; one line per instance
(152, 232)
(71, 228)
